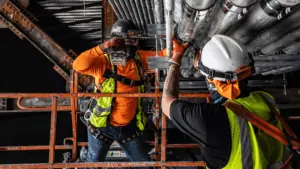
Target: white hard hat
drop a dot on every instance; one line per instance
(222, 54)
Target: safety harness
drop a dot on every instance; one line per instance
(122, 79)
(97, 111)
(288, 139)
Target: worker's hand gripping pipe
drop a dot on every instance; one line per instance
(169, 5)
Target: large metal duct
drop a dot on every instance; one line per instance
(280, 28)
(261, 16)
(193, 20)
(289, 38)
(226, 14)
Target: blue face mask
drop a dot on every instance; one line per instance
(215, 96)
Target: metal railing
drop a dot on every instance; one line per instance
(74, 95)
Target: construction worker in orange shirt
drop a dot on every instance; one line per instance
(117, 67)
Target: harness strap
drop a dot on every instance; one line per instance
(213, 73)
(237, 75)
(268, 128)
(122, 79)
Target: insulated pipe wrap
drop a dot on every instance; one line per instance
(169, 5)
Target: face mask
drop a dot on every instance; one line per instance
(229, 90)
(118, 56)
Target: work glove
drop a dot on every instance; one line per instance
(178, 50)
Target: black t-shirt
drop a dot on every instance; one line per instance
(208, 124)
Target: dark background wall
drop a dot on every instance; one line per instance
(25, 69)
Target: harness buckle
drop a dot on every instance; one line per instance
(228, 77)
(211, 74)
(96, 133)
(87, 115)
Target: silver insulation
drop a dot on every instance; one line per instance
(292, 49)
(262, 16)
(193, 19)
(178, 10)
(159, 15)
(275, 32)
(226, 14)
(289, 38)
(169, 7)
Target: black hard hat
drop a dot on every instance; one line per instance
(122, 27)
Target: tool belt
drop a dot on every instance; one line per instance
(98, 134)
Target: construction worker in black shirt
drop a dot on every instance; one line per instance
(226, 140)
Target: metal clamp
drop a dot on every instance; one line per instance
(275, 9)
(241, 11)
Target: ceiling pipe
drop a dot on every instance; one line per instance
(126, 11)
(282, 42)
(150, 11)
(273, 33)
(114, 7)
(276, 63)
(136, 15)
(131, 13)
(226, 14)
(158, 16)
(280, 70)
(144, 9)
(292, 49)
(261, 16)
(194, 18)
(178, 4)
(259, 70)
(276, 57)
(169, 6)
(140, 14)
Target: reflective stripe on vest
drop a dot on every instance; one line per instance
(247, 162)
(101, 112)
(252, 150)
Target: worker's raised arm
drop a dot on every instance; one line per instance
(93, 62)
(171, 86)
(144, 54)
(90, 62)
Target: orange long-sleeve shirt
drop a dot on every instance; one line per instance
(93, 62)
